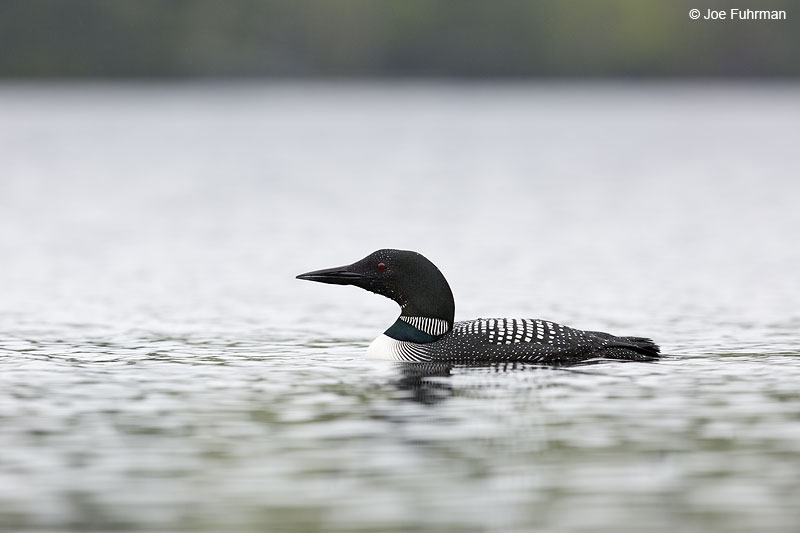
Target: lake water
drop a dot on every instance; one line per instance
(162, 370)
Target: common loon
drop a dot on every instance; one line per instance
(426, 331)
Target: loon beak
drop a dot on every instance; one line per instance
(336, 276)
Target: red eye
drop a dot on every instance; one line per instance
(381, 266)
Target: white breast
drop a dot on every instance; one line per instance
(385, 348)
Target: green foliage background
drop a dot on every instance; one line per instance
(404, 38)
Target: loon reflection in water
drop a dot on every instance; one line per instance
(426, 331)
(429, 383)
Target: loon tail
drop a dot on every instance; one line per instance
(641, 345)
(621, 347)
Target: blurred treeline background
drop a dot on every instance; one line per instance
(400, 38)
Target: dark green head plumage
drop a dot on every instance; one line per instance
(406, 277)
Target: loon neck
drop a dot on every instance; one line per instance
(419, 329)
(430, 299)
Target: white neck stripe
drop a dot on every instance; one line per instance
(431, 326)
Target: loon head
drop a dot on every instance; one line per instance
(406, 277)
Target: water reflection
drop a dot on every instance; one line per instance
(431, 383)
(415, 378)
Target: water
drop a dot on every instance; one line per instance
(162, 370)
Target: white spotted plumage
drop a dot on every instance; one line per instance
(481, 339)
(495, 340)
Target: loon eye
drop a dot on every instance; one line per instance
(381, 266)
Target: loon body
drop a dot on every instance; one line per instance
(426, 331)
